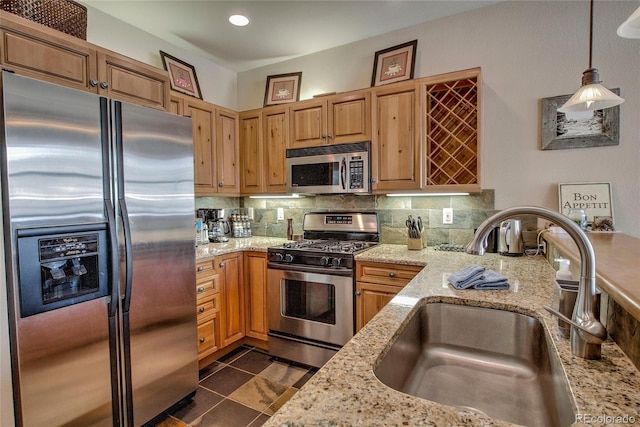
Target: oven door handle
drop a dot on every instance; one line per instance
(343, 173)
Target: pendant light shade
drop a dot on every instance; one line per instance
(591, 95)
(630, 29)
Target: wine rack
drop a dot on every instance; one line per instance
(452, 132)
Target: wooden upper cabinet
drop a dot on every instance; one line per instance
(336, 119)
(263, 142)
(275, 137)
(452, 120)
(308, 123)
(349, 117)
(132, 81)
(251, 152)
(396, 148)
(227, 163)
(203, 120)
(36, 51)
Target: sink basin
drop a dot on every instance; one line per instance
(485, 360)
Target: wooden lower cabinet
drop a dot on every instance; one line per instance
(377, 284)
(229, 267)
(255, 273)
(208, 308)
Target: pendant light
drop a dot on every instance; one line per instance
(592, 95)
(630, 29)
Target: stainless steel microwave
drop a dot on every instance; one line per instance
(330, 169)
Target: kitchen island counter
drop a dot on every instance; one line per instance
(345, 392)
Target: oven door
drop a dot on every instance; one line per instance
(313, 306)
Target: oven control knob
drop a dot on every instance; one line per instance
(279, 257)
(288, 258)
(336, 262)
(324, 261)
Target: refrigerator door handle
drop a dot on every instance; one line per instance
(128, 267)
(109, 208)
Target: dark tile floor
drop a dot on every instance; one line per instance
(242, 389)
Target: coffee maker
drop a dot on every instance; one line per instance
(218, 226)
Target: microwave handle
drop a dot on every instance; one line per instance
(343, 173)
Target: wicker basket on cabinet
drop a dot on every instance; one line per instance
(67, 16)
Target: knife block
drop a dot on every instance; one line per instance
(417, 244)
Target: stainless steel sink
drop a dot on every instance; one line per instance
(485, 360)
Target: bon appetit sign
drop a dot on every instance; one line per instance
(593, 197)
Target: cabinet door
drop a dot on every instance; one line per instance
(255, 270)
(308, 124)
(232, 297)
(370, 299)
(275, 139)
(128, 80)
(176, 104)
(227, 151)
(452, 130)
(202, 116)
(34, 51)
(396, 144)
(349, 118)
(251, 153)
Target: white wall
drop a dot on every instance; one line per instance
(218, 84)
(528, 50)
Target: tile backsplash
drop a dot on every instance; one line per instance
(468, 212)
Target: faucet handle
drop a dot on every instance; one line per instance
(590, 336)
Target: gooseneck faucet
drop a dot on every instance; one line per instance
(587, 332)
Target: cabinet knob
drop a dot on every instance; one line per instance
(329, 135)
(93, 82)
(392, 274)
(201, 310)
(222, 265)
(201, 268)
(374, 180)
(201, 289)
(221, 184)
(358, 293)
(104, 85)
(202, 339)
(324, 136)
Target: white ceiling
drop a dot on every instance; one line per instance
(278, 30)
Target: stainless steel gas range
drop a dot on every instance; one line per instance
(311, 285)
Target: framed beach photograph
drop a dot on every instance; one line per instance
(594, 129)
(282, 88)
(181, 75)
(394, 64)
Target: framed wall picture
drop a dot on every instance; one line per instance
(394, 64)
(282, 88)
(181, 75)
(593, 197)
(562, 131)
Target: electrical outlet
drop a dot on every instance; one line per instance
(251, 214)
(280, 214)
(447, 215)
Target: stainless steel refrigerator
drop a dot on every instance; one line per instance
(98, 214)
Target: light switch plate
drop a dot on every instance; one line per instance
(280, 214)
(447, 215)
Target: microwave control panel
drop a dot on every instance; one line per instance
(356, 172)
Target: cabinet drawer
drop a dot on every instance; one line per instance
(207, 288)
(204, 269)
(392, 274)
(206, 336)
(207, 309)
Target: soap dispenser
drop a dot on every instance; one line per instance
(565, 293)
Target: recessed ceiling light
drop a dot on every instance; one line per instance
(239, 20)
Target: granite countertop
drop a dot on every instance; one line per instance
(616, 256)
(257, 243)
(345, 391)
